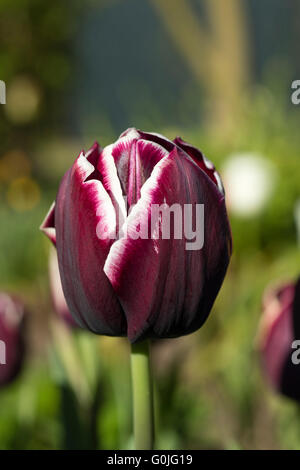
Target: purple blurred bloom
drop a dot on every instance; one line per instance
(279, 328)
(11, 338)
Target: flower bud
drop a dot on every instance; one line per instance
(142, 237)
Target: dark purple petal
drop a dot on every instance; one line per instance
(290, 376)
(276, 332)
(158, 139)
(58, 298)
(84, 216)
(11, 338)
(290, 379)
(165, 290)
(92, 155)
(48, 224)
(135, 159)
(296, 311)
(205, 164)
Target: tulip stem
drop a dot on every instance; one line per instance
(143, 420)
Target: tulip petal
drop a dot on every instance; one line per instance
(205, 164)
(92, 155)
(58, 298)
(278, 346)
(158, 139)
(48, 224)
(85, 222)
(275, 334)
(165, 290)
(296, 311)
(290, 379)
(12, 347)
(106, 172)
(135, 160)
(290, 373)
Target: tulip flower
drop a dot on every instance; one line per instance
(279, 331)
(58, 298)
(11, 338)
(124, 271)
(145, 287)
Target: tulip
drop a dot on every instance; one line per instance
(278, 329)
(11, 338)
(125, 272)
(58, 298)
(146, 287)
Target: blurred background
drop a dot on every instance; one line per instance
(219, 75)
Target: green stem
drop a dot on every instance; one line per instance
(143, 420)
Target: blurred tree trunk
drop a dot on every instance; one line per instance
(219, 58)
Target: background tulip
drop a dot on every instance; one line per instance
(138, 287)
(11, 337)
(279, 328)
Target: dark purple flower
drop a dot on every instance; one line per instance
(118, 284)
(11, 338)
(58, 298)
(279, 328)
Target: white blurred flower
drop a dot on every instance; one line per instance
(249, 180)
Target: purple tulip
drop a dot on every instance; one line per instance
(11, 338)
(116, 283)
(58, 298)
(278, 329)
